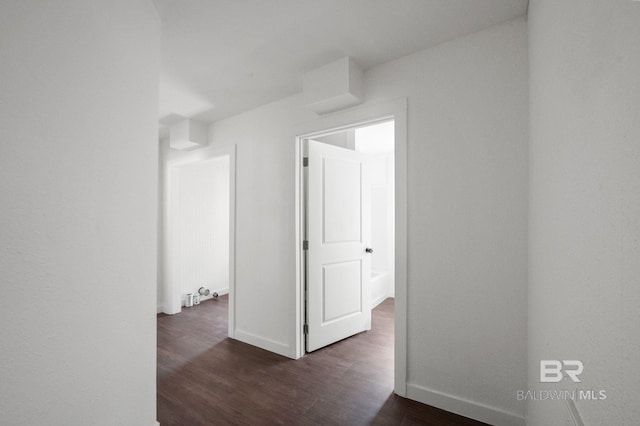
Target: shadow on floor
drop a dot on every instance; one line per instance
(205, 378)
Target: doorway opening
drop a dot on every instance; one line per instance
(377, 142)
(349, 230)
(386, 192)
(197, 229)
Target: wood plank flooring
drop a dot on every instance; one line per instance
(204, 378)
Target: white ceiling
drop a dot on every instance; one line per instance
(222, 57)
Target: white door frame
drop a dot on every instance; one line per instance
(396, 110)
(173, 294)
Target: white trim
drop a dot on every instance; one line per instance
(262, 343)
(298, 295)
(172, 296)
(221, 292)
(396, 110)
(232, 242)
(463, 407)
(401, 256)
(378, 300)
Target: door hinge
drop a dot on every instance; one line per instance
(305, 162)
(305, 329)
(305, 245)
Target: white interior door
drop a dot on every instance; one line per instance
(338, 234)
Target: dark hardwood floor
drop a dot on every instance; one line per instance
(204, 378)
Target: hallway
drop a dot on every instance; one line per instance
(204, 378)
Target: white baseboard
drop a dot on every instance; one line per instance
(263, 343)
(463, 407)
(221, 292)
(378, 300)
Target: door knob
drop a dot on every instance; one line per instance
(369, 250)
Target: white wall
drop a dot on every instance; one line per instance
(265, 252)
(199, 205)
(382, 226)
(343, 139)
(379, 213)
(468, 175)
(585, 203)
(162, 290)
(378, 141)
(78, 181)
